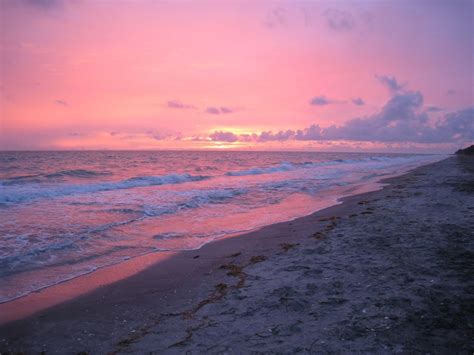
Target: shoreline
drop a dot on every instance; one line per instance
(66, 290)
(49, 296)
(172, 285)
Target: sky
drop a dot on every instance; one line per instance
(333, 75)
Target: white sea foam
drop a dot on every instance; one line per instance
(288, 166)
(263, 170)
(18, 194)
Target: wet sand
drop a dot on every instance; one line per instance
(386, 271)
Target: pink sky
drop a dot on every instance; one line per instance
(139, 74)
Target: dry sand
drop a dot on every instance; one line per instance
(388, 271)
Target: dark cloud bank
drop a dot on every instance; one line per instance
(402, 119)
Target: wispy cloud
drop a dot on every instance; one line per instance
(339, 20)
(275, 18)
(358, 101)
(214, 110)
(390, 83)
(319, 101)
(179, 105)
(221, 136)
(43, 4)
(149, 134)
(434, 109)
(323, 100)
(62, 103)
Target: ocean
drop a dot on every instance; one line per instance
(66, 214)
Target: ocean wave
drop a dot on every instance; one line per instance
(86, 236)
(195, 199)
(47, 253)
(28, 193)
(264, 170)
(43, 178)
(288, 166)
(79, 173)
(21, 179)
(15, 263)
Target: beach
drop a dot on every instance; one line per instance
(386, 271)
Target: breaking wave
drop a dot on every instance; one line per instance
(30, 193)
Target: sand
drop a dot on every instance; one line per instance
(387, 271)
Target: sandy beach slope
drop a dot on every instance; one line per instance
(387, 271)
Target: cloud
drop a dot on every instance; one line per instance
(457, 126)
(221, 136)
(338, 20)
(275, 17)
(179, 105)
(397, 121)
(358, 101)
(451, 92)
(390, 82)
(311, 133)
(434, 109)
(212, 110)
(279, 136)
(43, 4)
(320, 101)
(61, 103)
(403, 119)
(157, 135)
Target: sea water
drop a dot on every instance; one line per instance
(66, 214)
